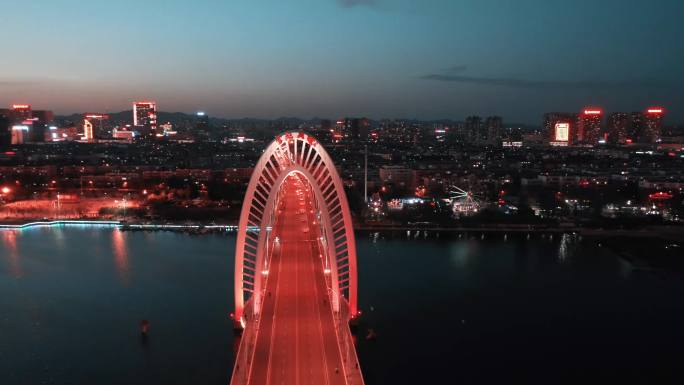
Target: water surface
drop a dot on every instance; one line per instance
(446, 310)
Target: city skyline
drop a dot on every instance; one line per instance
(381, 59)
(341, 192)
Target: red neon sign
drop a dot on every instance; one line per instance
(660, 196)
(20, 106)
(592, 112)
(655, 110)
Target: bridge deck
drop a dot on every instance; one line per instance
(297, 341)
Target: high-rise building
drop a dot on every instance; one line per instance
(354, 128)
(20, 133)
(202, 126)
(20, 112)
(145, 117)
(494, 128)
(636, 121)
(652, 126)
(561, 128)
(28, 125)
(5, 124)
(618, 124)
(589, 126)
(93, 126)
(642, 127)
(473, 129)
(39, 129)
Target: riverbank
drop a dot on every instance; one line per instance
(669, 233)
(124, 226)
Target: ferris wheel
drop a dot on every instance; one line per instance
(463, 202)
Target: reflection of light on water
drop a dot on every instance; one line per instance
(376, 236)
(59, 236)
(566, 245)
(121, 256)
(462, 252)
(9, 241)
(624, 267)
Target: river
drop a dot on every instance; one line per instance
(446, 308)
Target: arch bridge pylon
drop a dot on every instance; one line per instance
(294, 154)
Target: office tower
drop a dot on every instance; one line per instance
(473, 129)
(20, 112)
(618, 124)
(145, 118)
(561, 128)
(589, 126)
(93, 126)
(652, 125)
(5, 124)
(202, 126)
(356, 129)
(494, 129)
(39, 129)
(20, 133)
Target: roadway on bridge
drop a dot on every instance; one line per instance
(296, 342)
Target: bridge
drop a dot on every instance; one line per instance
(295, 271)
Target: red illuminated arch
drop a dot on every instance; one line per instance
(297, 154)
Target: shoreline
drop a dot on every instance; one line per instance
(674, 233)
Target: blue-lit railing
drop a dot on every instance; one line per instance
(59, 223)
(96, 223)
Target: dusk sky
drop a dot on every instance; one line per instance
(378, 58)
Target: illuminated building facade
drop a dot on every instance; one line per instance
(202, 126)
(145, 117)
(123, 134)
(88, 135)
(20, 112)
(353, 128)
(65, 134)
(589, 126)
(561, 128)
(28, 125)
(636, 127)
(652, 125)
(20, 133)
(636, 121)
(93, 126)
(617, 127)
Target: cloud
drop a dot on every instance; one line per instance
(545, 84)
(456, 69)
(354, 3)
